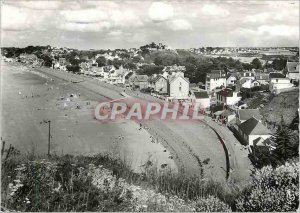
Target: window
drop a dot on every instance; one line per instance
(276, 80)
(180, 89)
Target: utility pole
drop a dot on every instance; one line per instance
(49, 136)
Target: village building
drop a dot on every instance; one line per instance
(214, 79)
(262, 78)
(28, 58)
(278, 83)
(159, 84)
(140, 82)
(248, 74)
(201, 98)
(249, 83)
(228, 96)
(292, 71)
(178, 86)
(252, 129)
(129, 79)
(244, 114)
(241, 105)
(232, 78)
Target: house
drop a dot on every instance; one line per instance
(232, 78)
(292, 71)
(241, 105)
(214, 79)
(262, 78)
(249, 83)
(174, 68)
(115, 76)
(129, 79)
(140, 82)
(28, 58)
(252, 129)
(178, 86)
(248, 74)
(201, 98)
(228, 96)
(278, 82)
(62, 61)
(226, 116)
(244, 114)
(262, 142)
(159, 84)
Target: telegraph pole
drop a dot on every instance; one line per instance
(49, 136)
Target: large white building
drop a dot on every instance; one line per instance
(214, 79)
(178, 86)
(278, 82)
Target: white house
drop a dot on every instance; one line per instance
(202, 98)
(248, 74)
(159, 84)
(214, 79)
(278, 82)
(228, 97)
(292, 71)
(252, 129)
(249, 83)
(178, 86)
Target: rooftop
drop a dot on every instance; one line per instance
(253, 127)
(245, 114)
(201, 94)
(292, 66)
(276, 75)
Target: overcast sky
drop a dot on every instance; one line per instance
(179, 24)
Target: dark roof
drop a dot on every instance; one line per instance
(292, 66)
(201, 94)
(216, 74)
(276, 75)
(253, 127)
(227, 112)
(217, 108)
(226, 93)
(173, 77)
(240, 103)
(245, 114)
(262, 76)
(263, 142)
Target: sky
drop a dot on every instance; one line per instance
(115, 24)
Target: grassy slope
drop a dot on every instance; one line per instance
(274, 107)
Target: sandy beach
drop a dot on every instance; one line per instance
(182, 145)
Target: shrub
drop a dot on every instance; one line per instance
(211, 204)
(272, 190)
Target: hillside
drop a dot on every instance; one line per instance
(274, 107)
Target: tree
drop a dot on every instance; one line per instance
(47, 60)
(286, 143)
(272, 190)
(130, 66)
(101, 61)
(256, 63)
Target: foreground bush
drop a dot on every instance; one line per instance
(76, 184)
(272, 190)
(212, 204)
